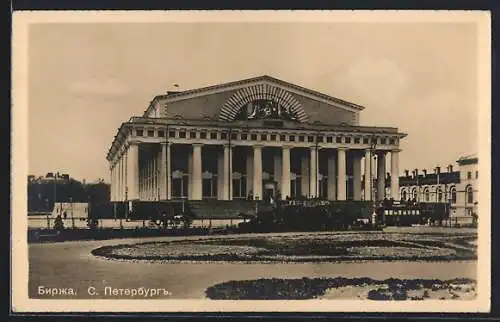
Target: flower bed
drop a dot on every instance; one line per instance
(301, 248)
(343, 288)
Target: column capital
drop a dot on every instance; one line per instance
(168, 143)
(258, 146)
(197, 144)
(286, 147)
(227, 145)
(396, 150)
(342, 148)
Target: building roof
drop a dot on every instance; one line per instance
(430, 179)
(468, 159)
(180, 94)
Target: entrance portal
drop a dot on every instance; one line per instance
(269, 190)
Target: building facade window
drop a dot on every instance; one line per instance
(470, 195)
(439, 194)
(453, 193)
(213, 136)
(282, 138)
(192, 135)
(138, 132)
(151, 133)
(403, 195)
(469, 175)
(427, 194)
(477, 174)
(329, 139)
(171, 134)
(414, 193)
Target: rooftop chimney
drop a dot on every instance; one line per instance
(407, 173)
(450, 168)
(438, 170)
(424, 171)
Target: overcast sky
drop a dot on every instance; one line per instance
(86, 79)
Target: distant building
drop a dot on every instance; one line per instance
(455, 187)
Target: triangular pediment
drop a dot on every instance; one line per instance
(260, 81)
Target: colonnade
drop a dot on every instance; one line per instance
(152, 179)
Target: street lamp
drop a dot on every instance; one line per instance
(71, 208)
(373, 145)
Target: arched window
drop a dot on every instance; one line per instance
(414, 193)
(470, 195)
(439, 194)
(427, 194)
(403, 194)
(453, 193)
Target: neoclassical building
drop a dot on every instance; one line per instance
(256, 137)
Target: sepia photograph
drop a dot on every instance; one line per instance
(288, 161)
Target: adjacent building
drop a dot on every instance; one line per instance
(457, 187)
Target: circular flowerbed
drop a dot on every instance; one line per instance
(329, 247)
(344, 288)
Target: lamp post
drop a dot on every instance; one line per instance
(71, 208)
(373, 145)
(317, 164)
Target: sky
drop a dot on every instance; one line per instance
(85, 79)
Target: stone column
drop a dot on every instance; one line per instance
(304, 175)
(368, 175)
(169, 171)
(395, 174)
(163, 172)
(341, 174)
(133, 171)
(220, 177)
(118, 192)
(257, 172)
(111, 188)
(381, 175)
(190, 175)
(277, 169)
(313, 177)
(197, 179)
(332, 178)
(285, 172)
(228, 173)
(155, 176)
(249, 167)
(356, 168)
